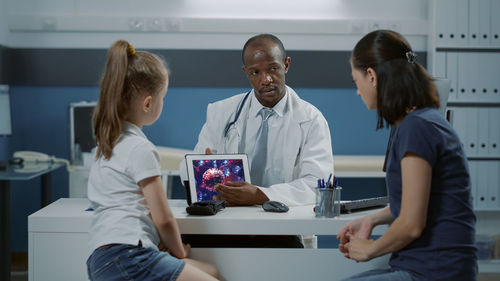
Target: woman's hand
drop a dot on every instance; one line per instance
(358, 249)
(360, 228)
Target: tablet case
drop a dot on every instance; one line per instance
(206, 208)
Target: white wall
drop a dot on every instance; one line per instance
(215, 24)
(3, 23)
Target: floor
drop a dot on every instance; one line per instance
(19, 276)
(19, 261)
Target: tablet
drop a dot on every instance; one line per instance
(206, 171)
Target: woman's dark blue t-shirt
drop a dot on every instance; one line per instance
(446, 249)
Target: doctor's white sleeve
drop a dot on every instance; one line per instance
(315, 161)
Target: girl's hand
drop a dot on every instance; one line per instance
(162, 247)
(187, 249)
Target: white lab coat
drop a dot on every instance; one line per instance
(305, 155)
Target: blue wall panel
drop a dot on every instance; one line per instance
(40, 123)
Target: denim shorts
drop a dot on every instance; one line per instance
(130, 262)
(388, 274)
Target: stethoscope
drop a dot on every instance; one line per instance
(238, 111)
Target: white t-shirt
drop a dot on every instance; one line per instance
(120, 210)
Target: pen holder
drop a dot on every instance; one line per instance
(327, 202)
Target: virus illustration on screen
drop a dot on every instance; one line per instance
(211, 177)
(209, 173)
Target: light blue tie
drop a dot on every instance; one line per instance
(260, 151)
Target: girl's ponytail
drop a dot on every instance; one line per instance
(110, 109)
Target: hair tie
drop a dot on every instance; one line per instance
(411, 57)
(130, 50)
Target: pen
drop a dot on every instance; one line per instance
(328, 181)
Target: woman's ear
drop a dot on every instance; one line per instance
(372, 75)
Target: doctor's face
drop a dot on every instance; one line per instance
(265, 68)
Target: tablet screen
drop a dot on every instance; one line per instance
(206, 171)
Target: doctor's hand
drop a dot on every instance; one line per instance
(240, 194)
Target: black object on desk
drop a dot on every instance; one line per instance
(362, 204)
(206, 208)
(16, 172)
(275, 207)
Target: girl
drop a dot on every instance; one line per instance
(431, 233)
(132, 215)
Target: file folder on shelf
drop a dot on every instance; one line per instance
(458, 122)
(473, 23)
(440, 65)
(473, 183)
(484, 22)
(462, 22)
(443, 15)
(495, 23)
(483, 131)
(471, 131)
(452, 74)
(494, 133)
(482, 184)
(493, 191)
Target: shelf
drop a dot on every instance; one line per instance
(489, 266)
(492, 158)
(477, 49)
(474, 103)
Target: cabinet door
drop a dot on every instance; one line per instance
(59, 256)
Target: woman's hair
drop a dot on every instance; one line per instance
(127, 75)
(402, 83)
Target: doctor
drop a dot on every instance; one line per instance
(288, 150)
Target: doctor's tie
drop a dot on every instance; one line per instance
(260, 151)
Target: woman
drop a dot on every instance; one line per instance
(431, 233)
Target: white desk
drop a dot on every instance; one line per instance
(58, 237)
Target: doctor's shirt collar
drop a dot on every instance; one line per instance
(256, 106)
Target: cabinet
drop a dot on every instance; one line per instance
(464, 46)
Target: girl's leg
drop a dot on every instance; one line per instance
(197, 270)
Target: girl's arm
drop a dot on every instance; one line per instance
(162, 216)
(416, 175)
